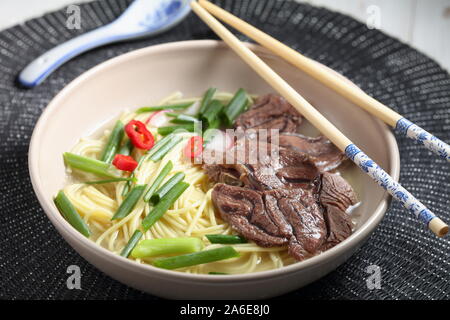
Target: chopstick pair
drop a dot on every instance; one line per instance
(334, 82)
(413, 205)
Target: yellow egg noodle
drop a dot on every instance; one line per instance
(191, 215)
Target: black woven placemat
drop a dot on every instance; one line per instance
(414, 264)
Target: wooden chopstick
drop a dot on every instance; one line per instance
(321, 123)
(333, 81)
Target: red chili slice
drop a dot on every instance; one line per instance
(124, 163)
(158, 118)
(139, 136)
(194, 147)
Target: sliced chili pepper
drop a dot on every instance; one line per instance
(124, 163)
(194, 147)
(151, 117)
(140, 137)
(158, 118)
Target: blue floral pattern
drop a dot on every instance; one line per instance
(385, 180)
(161, 14)
(409, 129)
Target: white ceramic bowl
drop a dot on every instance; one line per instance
(142, 77)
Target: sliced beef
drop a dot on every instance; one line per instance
(244, 210)
(295, 168)
(222, 174)
(263, 166)
(270, 111)
(336, 196)
(309, 220)
(325, 155)
(249, 161)
(298, 215)
(273, 218)
(259, 166)
(280, 193)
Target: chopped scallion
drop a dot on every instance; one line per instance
(237, 105)
(196, 258)
(159, 179)
(161, 152)
(113, 144)
(207, 97)
(129, 202)
(163, 205)
(225, 239)
(90, 165)
(70, 214)
(164, 131)
(177, 106)
(126, 148)
(137, 235)
(183, 119)
(132, 179)
(212, 112)
(164, 246)
(175, 179)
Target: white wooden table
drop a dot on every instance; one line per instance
(424, 24)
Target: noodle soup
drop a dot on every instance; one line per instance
(195, 213)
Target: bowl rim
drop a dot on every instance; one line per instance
(58, 221)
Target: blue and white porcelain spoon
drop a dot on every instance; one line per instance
(143, 18)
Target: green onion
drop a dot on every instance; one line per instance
(131, 243)
(215, 124)
(158, 247)
(70, 214)
(212, 111)
(184, 119)
(211, 131)
(126, 148)
(208, 135)
(196, 258)
(163, 150)
(127, 186)
(164, 131)
(161, 143)
(113, 144)
(159, 179)
(207, 97)
(164, 204)
(178, 106)
(225, 239)
(147, 155)
(236, 106)
(90, 165)
(130, 201)
(175, 179)
(218, 273)
(131, 179)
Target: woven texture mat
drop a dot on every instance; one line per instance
(414, 263)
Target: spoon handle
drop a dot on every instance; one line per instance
(43, 66)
